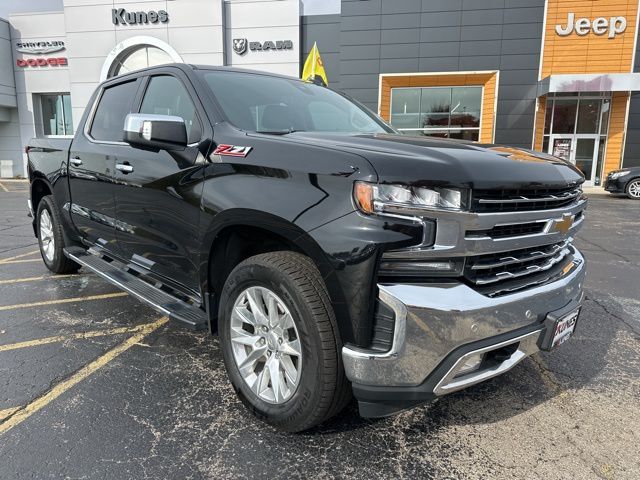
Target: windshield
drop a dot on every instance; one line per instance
(262, 103)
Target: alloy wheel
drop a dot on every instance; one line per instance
(634, 189)
(266, 345)
(46, 235)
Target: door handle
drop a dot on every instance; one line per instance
(124, 167)
(77, 161)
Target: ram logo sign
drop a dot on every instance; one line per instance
(240, 45)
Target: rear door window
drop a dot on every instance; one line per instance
(115, 104)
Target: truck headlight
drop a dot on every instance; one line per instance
(615, 175)
(404, 199)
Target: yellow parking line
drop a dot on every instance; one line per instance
(7, 412)
(9, 260)
(34, 279)
(62, 300)
(2, 187)
(22, 413)
(74, 336)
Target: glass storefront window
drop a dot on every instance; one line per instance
(405, 108)
(588, 113)
(583, 121)
(56, 114)
(564, 116)
(447, 112)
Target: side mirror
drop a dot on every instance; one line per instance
(155, 132)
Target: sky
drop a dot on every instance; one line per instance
(18, 6)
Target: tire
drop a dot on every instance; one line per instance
(50, 238)
(633, 189)
(321, 388)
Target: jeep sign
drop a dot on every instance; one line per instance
(599, 26)
(119, 16)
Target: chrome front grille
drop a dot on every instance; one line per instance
(517, 200)
(501, 272)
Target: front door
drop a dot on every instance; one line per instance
(581, 150)
(158, 192)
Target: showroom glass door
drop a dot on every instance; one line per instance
(581, 150)
(575, 129)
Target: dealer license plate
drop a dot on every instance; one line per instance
(564, 328)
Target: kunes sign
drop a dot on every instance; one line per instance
(119, 16)
(599, 26)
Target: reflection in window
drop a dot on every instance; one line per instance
(141, 57)
(448, 112)
(56, 114)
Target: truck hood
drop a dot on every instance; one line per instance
(432, 161)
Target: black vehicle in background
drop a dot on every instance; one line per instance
(331, 254)
(626, 180)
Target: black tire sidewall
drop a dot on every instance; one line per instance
(55, 265)
(303, 402)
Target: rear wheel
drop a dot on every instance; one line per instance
(633, 189)
(50, 238)
(280, 341)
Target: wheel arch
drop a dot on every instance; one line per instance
(242, 233)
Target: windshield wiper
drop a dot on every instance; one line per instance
(279, 132)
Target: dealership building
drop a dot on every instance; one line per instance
(560, 76)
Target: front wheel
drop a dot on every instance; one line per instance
(280, 341)
(633, 189)
(50, 238)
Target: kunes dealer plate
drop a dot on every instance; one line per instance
(559, 330)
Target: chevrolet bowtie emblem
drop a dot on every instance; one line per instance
(563, 225)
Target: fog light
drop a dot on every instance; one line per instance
(471, 364)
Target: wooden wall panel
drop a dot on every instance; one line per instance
(487, 80)
(615, 140)
(588, 53)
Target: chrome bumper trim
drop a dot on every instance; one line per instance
(528, 345)
(435, 319)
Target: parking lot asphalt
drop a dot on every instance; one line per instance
(94, 384)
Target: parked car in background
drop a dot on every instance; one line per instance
(626, 180)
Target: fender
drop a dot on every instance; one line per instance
(291, 233)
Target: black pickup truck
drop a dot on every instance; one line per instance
(332, 255)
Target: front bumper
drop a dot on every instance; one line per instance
(617, 185)
(437, 324)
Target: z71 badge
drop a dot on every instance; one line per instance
(232, 150)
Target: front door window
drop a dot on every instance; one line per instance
(576, 130)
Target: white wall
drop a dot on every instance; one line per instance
(194, 30)
(262, 20)
(10, 145)
(31, 81)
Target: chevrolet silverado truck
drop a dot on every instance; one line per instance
(332, 255)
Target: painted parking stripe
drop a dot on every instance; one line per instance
(3, 188)
(35, 279)
(11, 259)
(7, 412)
(23, 413)
(75, 336)
(63, 300)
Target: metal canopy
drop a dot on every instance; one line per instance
(599, 82)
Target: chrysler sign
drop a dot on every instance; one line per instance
(38, 48)
(119, 16)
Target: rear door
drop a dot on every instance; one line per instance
(92, 160)
(158, 192)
